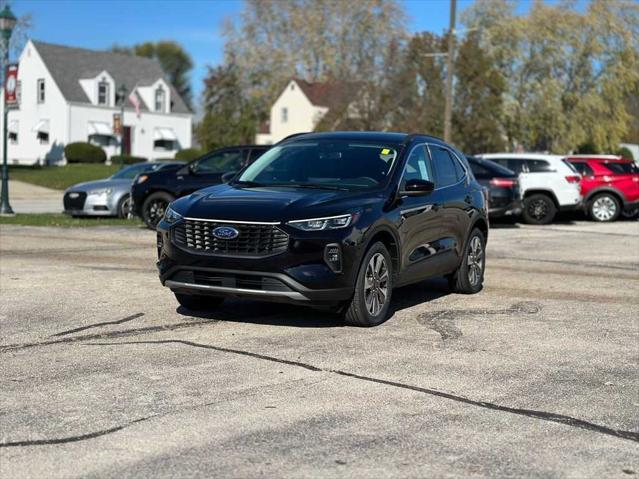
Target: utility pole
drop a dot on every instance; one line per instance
(448, 113)
(7, 24)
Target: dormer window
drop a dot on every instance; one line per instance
(160, 99)
(103, 93)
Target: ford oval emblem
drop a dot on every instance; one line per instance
(225, 233)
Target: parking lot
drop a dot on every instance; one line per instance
(102, 374)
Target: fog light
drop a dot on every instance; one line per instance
(333, 257)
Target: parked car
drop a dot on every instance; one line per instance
(548, 184)
(111, 196)
(152, 192)
(609, 184)
(502, 185)
(334, 220)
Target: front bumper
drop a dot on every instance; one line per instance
(298, 275)
(93, 205)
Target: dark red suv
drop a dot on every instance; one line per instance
(609, 185)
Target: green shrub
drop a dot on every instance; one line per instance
(126, 159)
(625, 153)
(82, 152)
(188, 154)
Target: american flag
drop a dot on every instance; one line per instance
(133, 98)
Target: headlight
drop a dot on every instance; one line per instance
(170, 216)
(141, 179)
(318, 224)
(100, 191)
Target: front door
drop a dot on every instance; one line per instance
(126, 139)
(424, 242)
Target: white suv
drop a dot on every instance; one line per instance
(548, 184)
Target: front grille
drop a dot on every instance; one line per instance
(76, 203)
(253, 240)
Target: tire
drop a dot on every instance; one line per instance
(469, 277)
(198, 303)
(631, 213)
(539, 209)
(604, 208)
(124, 206)
(374, 283)
(154, 206)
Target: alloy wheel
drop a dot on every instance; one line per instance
(376, 284)
(475, 260)
(604, 208)
(156, 210)
(125, 209)
(538, 209)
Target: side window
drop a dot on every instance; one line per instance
(447, 172)
(418, 166)
(220, 162)
(518, 166)
(539, 166)
(480, 172)
(583, 168)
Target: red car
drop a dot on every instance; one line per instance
(609, 185)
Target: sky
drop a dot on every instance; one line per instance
(195, 24)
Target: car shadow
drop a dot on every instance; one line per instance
(291, 315)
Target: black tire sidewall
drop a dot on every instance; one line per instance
(601, 195)
(121, 204)
(459, 279)
(152, 197)
(552, 210)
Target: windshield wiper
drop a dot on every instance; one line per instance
(308, 185)
(247, 184)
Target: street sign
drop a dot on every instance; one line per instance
(117, 124)
(11, 84)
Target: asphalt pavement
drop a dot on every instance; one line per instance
(104, 376)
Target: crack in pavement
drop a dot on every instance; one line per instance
(442, 321)
(633, 267)
(64, 440)
(114, 334)
(99, 325)
(531, 413)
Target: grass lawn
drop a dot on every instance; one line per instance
(58, 219)
(61, 177)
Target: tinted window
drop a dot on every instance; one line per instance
(220, 162)
(622, 168)
(582, 168)
(539, 166)
(418, 166)
(512, 164)
(480, 172)
(131, 172)
(332, 163)
(447, 172)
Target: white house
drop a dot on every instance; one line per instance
(69, 94)
(301, 106)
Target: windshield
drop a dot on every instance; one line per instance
(132, 171)
(324, 163)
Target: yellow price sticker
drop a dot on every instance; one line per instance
(385, 151)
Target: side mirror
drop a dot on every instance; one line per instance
(417, 187)
(228, 176)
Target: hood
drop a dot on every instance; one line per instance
(106, 183)
(227, 202)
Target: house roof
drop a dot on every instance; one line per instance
(68, 65)
(328, 94)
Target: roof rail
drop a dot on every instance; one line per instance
(294, 135)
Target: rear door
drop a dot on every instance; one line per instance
(625, 178)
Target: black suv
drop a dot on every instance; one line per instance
(332, 220)
(502, 185)
(152, 192)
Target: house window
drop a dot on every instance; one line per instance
(13, 137)
(160, 99)
(284, 115)
(40, 90)
(43, 138)
(103, 93)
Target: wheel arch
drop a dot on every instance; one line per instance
(605, 189)
(541, 191)
(389, 239)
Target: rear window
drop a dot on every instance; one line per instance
(485, 170)
(582, 167)
(447, 169)
(625, 168)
